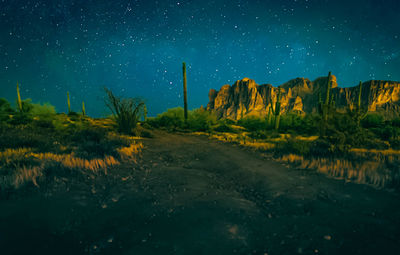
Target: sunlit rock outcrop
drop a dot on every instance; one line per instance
(245, 97)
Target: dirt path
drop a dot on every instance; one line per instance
(190, 195)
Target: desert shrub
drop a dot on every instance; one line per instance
(201, 120)
(291, 121)
(320, 148)
(396, 122)
(126, 111)
(259, 134)
(253, 123)
(26, 137)
(5, 110)
(43, 110)
(387, 132)
(224, 127)
(372, 120)
(294, 146)
(146, 133)
(171, 119)
(395, 144)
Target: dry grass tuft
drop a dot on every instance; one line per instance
(368, 172)
(129, 153)
(10, 155)
(258, 145)
(22, 158)
(72, 162)
(25, 175)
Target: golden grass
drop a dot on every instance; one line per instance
(259, 145)
(307, 138)
(10, 155)
(389, 155)
(25, 174)
(369, 172)
(129, 153)
(71, 162)
(112, 135)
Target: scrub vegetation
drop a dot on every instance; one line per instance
(37, 144)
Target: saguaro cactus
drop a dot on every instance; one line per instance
(185, 91)
(144, 113)
(269, 115)
(19, 101)
(358, 112)
(327, 104)
(69, 103)
(359, 96)
(83, 108)
(277, 110)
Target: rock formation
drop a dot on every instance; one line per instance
(246, 98)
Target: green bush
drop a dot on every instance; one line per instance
(396, 122)
(223, 126)
(259, 134)
(172, 119)
(291, 121)
(292, 145)
(5, 110)
(372, 120)
(43, 110)
(201, 120)
(253, 123)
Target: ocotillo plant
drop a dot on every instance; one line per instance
(19, 101)
(185, 105)
(277, 110)
(83, 109)
(69, 103)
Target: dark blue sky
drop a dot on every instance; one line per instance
(136, 48)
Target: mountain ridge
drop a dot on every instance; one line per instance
(247, 98)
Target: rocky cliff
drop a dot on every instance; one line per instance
(245, 97)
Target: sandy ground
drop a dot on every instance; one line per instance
(190, 195)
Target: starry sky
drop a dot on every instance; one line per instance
(136, 47)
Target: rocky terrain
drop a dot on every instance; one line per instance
(192, 195)
(245, 97)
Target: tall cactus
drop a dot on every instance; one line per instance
(83, 108)
(144, 113)
(359, 96)
(327, 104)
(69, 103)
(320, 104)
(269, 115)
(19, 101)
(359, 113)
(277, 110)
(185, 104)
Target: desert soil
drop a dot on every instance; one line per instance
(191, 195)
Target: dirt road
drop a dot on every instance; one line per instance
(190, 195)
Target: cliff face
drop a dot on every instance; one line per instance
(245, 97)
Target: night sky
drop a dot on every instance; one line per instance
(136, 48)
